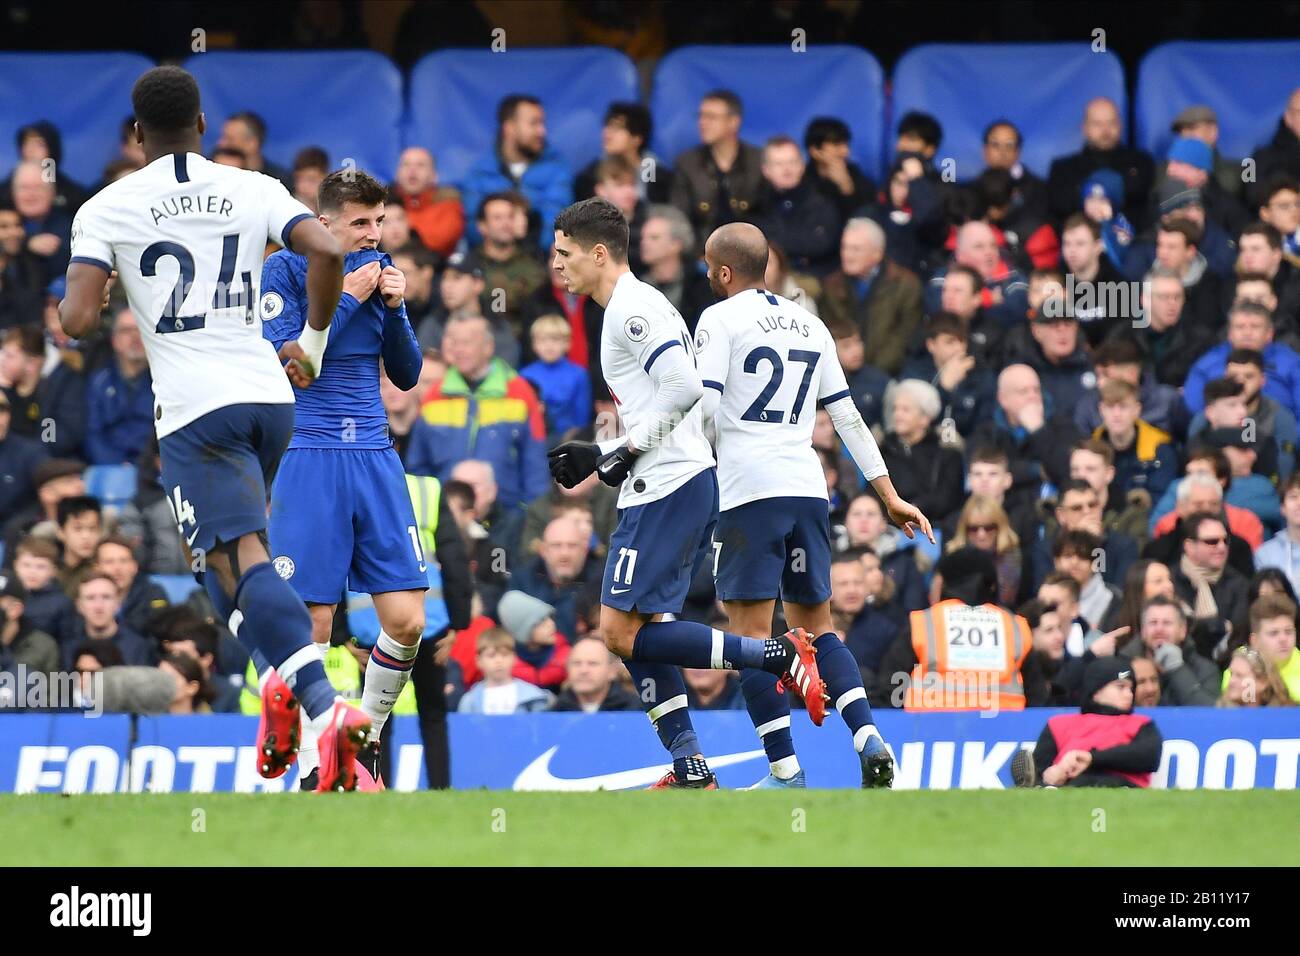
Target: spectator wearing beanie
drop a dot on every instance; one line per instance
(1190, 161)
(1103, 203)
(541, 650)
(1104, 745)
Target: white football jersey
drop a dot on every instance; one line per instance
(187, 237)
(772, 361)
(640, 324)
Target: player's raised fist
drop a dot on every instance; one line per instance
(360, 283)
(296, 365)
(392, 286)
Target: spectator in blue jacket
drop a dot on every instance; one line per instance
(1282, 551)
(1250, 326)
(18, 456)
(119, 400)
(563, 570)
(1274, 425)
(564, 386)
(48, 405)
(522, 161)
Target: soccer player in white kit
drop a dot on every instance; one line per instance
(186, 237)
(766, 364)
(668, 498)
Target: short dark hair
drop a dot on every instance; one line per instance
(1193, 523)
(1246, 357)
(166, 100)
(990, 455)
(995, 187)
(1033, 611)
(256, 125)
(1077, 485)
(514, 198)
(126, 132)
(230, 151)
(205, 636)
(1184, 228)
(734, 106)
(509, 104)
(825, 129)
(1077, 219)
(1242, 307)
(1059, 579)
(1217, 459)
(945, 323)
(923, 126)
(1218, 388)
(75, 506)
(1076, 543)
(1267, 230)
(311, 157)
(349, 185)
(30, 338)
(1275, 184)
(106, 652)
(1117, 351)
(1003, 121)
(119, 541)
(635, 117)
(593, 221)
(977, 280)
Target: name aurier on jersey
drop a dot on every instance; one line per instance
(181, 205)
(771, 323)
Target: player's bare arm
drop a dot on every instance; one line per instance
(86, 298)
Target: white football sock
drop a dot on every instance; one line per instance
(383, 682)
(308, 754)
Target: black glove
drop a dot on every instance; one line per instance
(572, 461)
(616, 466)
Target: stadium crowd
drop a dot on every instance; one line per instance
(1088, 377)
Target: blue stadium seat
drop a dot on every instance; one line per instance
(178, 587)
(781, 91)
(1246, 82)
(1041, 87)
(86, 95)
(454, 96)
(113, 485)
(349, 102)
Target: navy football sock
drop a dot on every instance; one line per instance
(770, 711)
(839, 669)
(663, 695)
(688, 644)
(276, 623)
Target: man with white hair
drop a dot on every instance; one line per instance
(667, 246)
(1103, 148)
(874, 293)
(1006, 291)
(924, 471)
(1035, 436)
(48, 227)
(1198, 493)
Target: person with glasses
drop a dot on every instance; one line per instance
(1002, 145)
(983, 524)
(1280, 208)
(1187, 678)
(1215, 590)
(1198, 493)
(1080, 508)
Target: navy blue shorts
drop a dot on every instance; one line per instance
(216, 471)
(657, 548)
(342, 517)
(774, 548)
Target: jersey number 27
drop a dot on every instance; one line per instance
(758, 410)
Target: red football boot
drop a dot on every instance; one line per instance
(347, 733)
(277, 730)
(669, 781)
(804, 677)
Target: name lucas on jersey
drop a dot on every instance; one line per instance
(772, 323)
(182, 205)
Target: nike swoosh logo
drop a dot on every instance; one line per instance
(537, 775)
(424, 568)
(190, 539)
(619, 590)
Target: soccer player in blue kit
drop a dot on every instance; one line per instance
(186, 238)
(341, 515)
(668, 497)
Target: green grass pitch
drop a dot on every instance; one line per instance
(1076, 828)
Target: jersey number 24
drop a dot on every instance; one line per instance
(227, 294)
